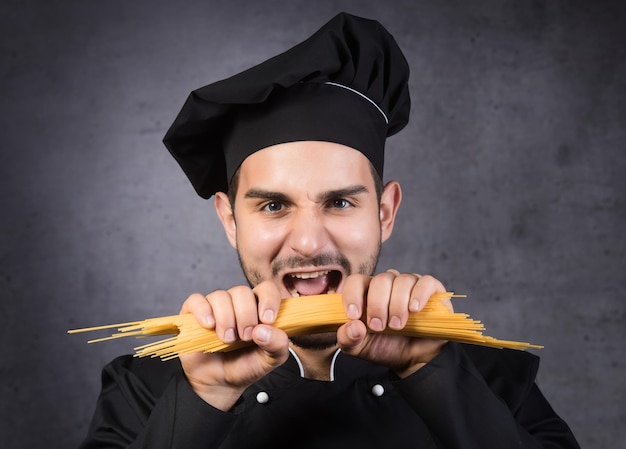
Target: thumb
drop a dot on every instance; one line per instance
(351, 337)
(273, 342)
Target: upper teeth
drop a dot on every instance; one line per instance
(311, 275)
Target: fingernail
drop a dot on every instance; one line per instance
(414, 305)
(353, 312)
(263, 334)
(268, 316)
(350, 331)
(247, 333)
(395, 323)
(376, 324)
(210, 321)
(229, 335)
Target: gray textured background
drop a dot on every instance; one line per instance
(513, 172)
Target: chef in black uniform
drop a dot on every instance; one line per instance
(292, 153)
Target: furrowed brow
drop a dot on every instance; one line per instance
(266, 195)
(342, 193)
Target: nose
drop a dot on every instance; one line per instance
(308, 234)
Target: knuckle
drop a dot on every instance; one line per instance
(239, 291)
(195, 298)
(406, 278)
(428, 278)
(265, 288)
(194, 302)
(385, 278)
(218, 296)
(358, 279)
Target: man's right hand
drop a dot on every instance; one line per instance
(240, 313)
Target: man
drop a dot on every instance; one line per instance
(292, 151)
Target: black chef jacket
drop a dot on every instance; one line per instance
(467, 397)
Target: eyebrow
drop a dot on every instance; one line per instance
(340, 193)
(265, 195)
(324, 196)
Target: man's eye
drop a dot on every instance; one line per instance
(340, 203)
(273, 206)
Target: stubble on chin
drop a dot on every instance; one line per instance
(315, 341)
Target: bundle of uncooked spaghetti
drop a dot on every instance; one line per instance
(300, 316)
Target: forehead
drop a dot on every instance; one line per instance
(308, 165)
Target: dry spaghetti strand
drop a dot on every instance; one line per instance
(296, 316)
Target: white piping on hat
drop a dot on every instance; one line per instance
(362, 95)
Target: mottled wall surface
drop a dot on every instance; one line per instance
(512, 166)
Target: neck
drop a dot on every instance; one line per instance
(316, 363)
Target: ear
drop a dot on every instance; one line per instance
(389, 203)
(227, 217)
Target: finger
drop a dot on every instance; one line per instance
(273, 342)
(351, 337)
(401, 295)
(269, 298)
(414, 304)
(197, 305)
(246, 313)
(224, 312)
(353, 295)
(378, 298)
(423, 290)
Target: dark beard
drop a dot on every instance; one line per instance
(317, 342)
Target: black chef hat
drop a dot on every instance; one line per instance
(345, 84)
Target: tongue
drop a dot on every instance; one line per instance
(314, 286)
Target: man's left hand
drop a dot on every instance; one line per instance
(385, 301)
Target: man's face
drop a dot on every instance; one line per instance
(306, 216)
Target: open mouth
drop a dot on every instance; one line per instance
(312, 282)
